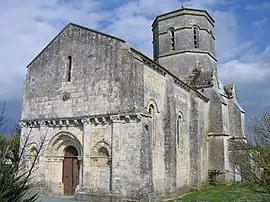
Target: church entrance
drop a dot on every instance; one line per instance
(71, 165)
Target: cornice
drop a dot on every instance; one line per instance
(80, 121)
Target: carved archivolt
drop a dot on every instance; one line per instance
(60, 142)
(101, 154)
(101, 144)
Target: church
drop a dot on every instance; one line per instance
(119, 124)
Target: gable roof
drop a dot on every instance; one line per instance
(161, 68)
(78, 26)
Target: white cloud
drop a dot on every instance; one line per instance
(260, 23)
(241, 72)
(258, 6)
(251, 67)
(27, 26)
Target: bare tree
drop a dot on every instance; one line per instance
(15, 171)
(253, 154)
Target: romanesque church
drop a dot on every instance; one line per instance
(120, 124)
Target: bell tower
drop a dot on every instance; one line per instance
(184, 44)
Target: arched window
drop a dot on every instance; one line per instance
(196, 36)
(172, 38)
(151, 110)
(103, 152)
(33, 154)
(105, 157)
(179, 130)
(69, 63)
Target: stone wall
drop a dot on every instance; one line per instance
(48, 170)
(184, 57)
(103, 77)
(171, 162)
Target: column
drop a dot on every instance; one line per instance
(116, 154)
(86, 161)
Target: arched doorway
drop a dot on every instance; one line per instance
(70, 170)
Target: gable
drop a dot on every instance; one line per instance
(66, 30)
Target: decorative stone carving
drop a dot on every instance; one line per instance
(86, 121)
(195, 73)
(66, 96)
(115, 118)
(96, 120)
(22, 124)
(127, 118)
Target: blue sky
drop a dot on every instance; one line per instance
(242, 42)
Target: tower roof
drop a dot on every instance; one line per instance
(183, 11)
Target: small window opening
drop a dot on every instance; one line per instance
(69, 68)
(172, 39)
(34, 154)
(151, 110)
(103, 152)
(179, 130)
(196, 37)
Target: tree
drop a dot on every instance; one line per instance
(253, 154)
(3, 118)
(15, 182)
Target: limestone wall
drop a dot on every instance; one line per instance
(103, 78)
(171, 162)
(48, 169)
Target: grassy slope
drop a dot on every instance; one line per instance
(223, 193)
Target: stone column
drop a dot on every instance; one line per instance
(116, 154)
(41, 164)
(86, 161)
(80, 159)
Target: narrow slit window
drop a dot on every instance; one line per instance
(69, 68)
(151, 110)
(179, 130)
(196, 37)
(172, 39)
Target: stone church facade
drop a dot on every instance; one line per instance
(120, 124)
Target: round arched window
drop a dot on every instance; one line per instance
(151, 110)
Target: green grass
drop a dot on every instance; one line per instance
(226, 193)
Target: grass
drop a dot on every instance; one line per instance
(225, 193)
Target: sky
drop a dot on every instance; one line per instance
(242, 42)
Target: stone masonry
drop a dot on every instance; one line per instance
(142, 128)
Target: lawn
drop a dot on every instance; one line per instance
(225, 193)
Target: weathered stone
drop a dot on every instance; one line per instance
(143, 129)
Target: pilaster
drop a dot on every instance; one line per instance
(116, 154)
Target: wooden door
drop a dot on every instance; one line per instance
(70, 171)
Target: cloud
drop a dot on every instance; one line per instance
(251, 67)
(263, 5)
(29, 25)
(241, 72)
(260, 23)
(26, 28)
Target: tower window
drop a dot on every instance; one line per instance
(196, 37)
(172, 38)
(155, 41)
(69, 68)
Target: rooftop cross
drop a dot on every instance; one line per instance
(182, 4)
